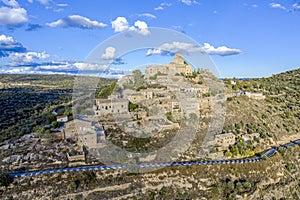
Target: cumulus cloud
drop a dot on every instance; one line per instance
(9, 45)
(17, 53)
(109, 53)
(12, 16)
(188, 48)
(77, 21)
(121, 24)
(140, 27)
(188, 2)
(148, 15)
(12, 3)
(221, 50)
(277, 5)
(163, 6)
(27, 57)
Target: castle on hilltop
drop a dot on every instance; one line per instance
(178, 66)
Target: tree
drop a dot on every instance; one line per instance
(5, 179)
(51, 118)
(246, 185)
(132, 106)
(55, 124)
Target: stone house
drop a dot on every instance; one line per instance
(223, 141)
(104, 107)
(86, 132)
(257, 96)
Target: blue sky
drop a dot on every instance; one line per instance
(243, 38)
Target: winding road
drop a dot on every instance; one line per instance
(269, 153)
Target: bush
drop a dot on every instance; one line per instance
(141, 88)
(281, 151)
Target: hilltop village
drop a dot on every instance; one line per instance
(150, 105)
(139, 112)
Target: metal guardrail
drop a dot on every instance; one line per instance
(269, 153)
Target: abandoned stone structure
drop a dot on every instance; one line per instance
(223, 141)
(86, 132)
(178, 66)
(105, 107)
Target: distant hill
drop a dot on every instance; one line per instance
(277, 116)
(28, 100)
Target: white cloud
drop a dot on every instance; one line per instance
(12, 3)
(148, 15)
(120, 24)
(77, 21)
(296, 6)
(140, 27)
(27, 57)
(163, 6)
(17, 70)
(277, 5)
(8, 45)
(188, 48)
(44, 2)
(189, 2)
(12, 16)
(7, 40)
(89, 66)
(50, 4)
(221, 50)
(62, 5)
(109, 54)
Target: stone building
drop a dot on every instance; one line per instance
(104, 107)
(257, 96)
(223, 141)
(189, 106)
(205, 104)
(87, 133)
(79, 156)
(178, 66)
(93, 137)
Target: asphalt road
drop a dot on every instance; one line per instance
(269, 153)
